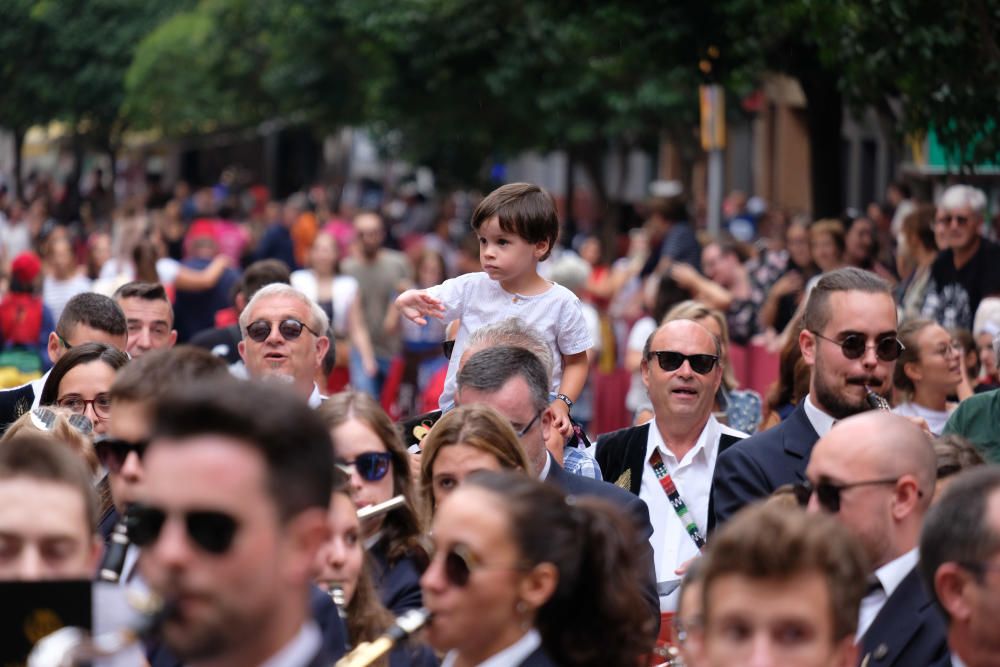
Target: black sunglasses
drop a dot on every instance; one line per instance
(289, 329)
(459, 564)
(371, 466)
(448, 347)
(853, 346)
(212, 531)
(702, 364)
(828, 493)
(946, 220)
(112, 452)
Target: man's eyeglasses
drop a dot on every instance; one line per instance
(828, 493)
(290, 329)
(522, 432)
(702, 364)
(460, 563)
(371, 466)
(78, 404)
(853, 346)
(946, 220)
(44, 419)
(112, 452)
(211, 530)
(64, 342)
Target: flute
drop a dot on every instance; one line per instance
(381, 508)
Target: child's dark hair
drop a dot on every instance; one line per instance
(523, 209)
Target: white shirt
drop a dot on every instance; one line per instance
(692, 475)
(544, 474)
(300, 651)
(315, 398)
(956, 661)
(936, 419)
(514, 654)
(475, 299)
(890, 576)
(821, 422)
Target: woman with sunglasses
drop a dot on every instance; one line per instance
(81, 382)
(342, 564)
(463, 441)
(929, 371)
(367, 447)
(524, 575)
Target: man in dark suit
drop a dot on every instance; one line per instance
(849, 341)
(682, 371)
(232, 512)
(875, 473)
(513, 381)
(87, 318)
(960, 565)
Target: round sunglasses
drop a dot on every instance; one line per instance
(290, 329)
(212, 531)
(371, 466)
(670, 361)
(853, 346)
(460, 563)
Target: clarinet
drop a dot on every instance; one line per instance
(114, 555)
(368, 652)
(875, 401)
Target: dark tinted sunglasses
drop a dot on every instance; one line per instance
(459, 564)
(371, 466)
(702, 364)
(289, 329)
(448, 347)
(212, 531)
(828, 493)
(853, 346)
(112, 452)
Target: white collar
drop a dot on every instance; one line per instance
(544, 474)
(372, 540)
(707, 445)
(514, 654)
(891, 574)
(300, 651)
(315, 398)
(956, 661)
(821, 422)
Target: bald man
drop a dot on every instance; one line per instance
(875, 473)
(682, 370)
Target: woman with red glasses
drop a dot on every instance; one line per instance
(367, 447)
(81, 382)
(523, 575)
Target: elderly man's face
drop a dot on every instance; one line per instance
(682, 391)
(44, 531)
(957, 227)
(294, 361)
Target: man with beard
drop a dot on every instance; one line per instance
(849, 341)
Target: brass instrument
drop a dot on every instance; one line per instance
(74, 647)
(368, 652)
(377, 510)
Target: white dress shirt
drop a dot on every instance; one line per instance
(300, 651)
(692, 475)
(315, 398)
(890, 576)
(514, 654)
(956, 661)
(821, 422)
(543, 474)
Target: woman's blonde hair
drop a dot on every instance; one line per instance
(696, 310)
(478, 426)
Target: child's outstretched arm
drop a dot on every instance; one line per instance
(574, 377)
(418, 305)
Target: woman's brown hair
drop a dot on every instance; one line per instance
(908, 334)
(477, 426)
(401, 527)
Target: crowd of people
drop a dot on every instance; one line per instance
(294, 424)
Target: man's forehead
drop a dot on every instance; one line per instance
(684, 336)
(278, 305)
(83, 333)
(136, 308)
(212, 465)
(511, 400)
(862, 311)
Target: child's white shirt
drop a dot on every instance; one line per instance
(478, 300)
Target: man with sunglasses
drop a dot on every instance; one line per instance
(968, 269)
(875, 474)
(849, 342)
(231, 515)
(960, 564)
(677, 450)
(284, 339)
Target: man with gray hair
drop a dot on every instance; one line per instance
(968, 270)
(284, 339)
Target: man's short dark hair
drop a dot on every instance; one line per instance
(523, 209)
(42, 457)
(849, 279)
(771, 542)
(489, 370)
(957, 528)
(671, 209)
(278, 425)
(138, 290)
(95, 311)
(263, 273)
(156, 372)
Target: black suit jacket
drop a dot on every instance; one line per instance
(909, 630)
(622, 457)
(753, 468)
(631, 505)
(14, 403)
(538, 658)
(398, 584)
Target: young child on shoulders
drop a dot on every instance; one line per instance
(517, 227)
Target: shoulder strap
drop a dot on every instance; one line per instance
(674, 496)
